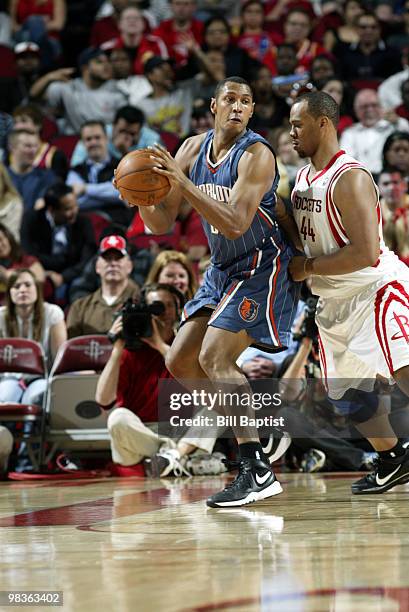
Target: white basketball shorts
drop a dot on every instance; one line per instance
(363, 336)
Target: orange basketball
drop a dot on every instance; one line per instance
(137, 183)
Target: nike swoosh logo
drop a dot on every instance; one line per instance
(382, 481)
(267, 449)
(262, 479)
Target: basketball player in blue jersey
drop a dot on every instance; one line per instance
(229, 175)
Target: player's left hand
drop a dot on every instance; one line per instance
(296, 268)
(165, 164)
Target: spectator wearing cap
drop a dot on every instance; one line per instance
(93, 96)
(139, 45)
(129, 132)
(40, 22)
(28, 65)
(168, 108)
(94, 313)
(89, 281)
(30, 181)
(91, 180)
(59, 237)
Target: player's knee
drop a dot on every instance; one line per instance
(358, 406)
(209, 360)
(175, 363)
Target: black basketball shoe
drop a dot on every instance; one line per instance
(255, 481)
(388, 473)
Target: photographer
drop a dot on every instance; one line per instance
(130, 379)
(130, 382)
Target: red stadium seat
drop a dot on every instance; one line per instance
(66, 144)
(23, 357)
(74, 419)
(171, 141)
(100, 220)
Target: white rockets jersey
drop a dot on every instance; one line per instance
(322, 233)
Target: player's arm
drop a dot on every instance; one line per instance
(355, 198)
(288, 224)
(255, 177)
(160, 218)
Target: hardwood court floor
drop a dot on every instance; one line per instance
(135, 545)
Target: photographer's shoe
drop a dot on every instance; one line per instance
(313, 461)
(206, 464)
(164, 463)
(276, 445)
(254, 482)
(388, 473)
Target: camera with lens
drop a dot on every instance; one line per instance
(137, 321)
(309, 327)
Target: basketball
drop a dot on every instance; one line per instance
(137, 183)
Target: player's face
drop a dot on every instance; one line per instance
(304, 132)
(233, 107)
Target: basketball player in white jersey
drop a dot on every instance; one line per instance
(363, 311)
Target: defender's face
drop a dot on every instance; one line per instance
(305, 131)
(233, 107)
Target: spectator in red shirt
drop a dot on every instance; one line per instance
(253, 38)
(139, 46)
(297, 30)
(173, 31)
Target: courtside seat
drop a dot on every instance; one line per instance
(21, 356)
(17, 412)
(73, 418)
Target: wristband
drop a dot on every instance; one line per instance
(308, 265)
(113, 337)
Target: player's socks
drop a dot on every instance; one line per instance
(251, 450)
(396, 451)
(389, 472)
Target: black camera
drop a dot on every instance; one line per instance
(309, 327)
(137, 321)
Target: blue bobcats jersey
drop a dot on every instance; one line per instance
(217, 181)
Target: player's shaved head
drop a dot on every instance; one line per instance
(233, 79)
(320, 104)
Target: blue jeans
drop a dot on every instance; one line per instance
(11, 390)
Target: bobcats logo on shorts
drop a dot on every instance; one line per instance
(248, 309)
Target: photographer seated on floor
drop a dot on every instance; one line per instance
(142, 333)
